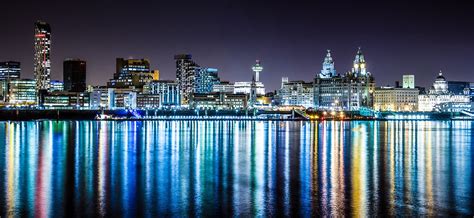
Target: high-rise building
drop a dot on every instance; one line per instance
(328, 70)
(42, 59)
(347, 92)
(408, 81)
(74, 75)
(10, 70)
(186, 70)
(131, 72)
(205, 79)
(257, 68)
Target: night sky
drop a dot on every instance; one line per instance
(289, 37)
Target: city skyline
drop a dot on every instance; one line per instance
(233, 44)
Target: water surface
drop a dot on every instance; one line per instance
(256, 168)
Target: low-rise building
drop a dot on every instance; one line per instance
(296, 93)
(223, 86)
(21, 92)
(440, 95)
(219, 100)
(148, 101)
(67, 100)
(396, 99)
(167, 90)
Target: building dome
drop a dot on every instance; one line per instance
(440, 77)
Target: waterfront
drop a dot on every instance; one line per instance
(261, 168)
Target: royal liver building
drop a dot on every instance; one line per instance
(348, 92)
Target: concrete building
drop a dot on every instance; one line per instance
(246, 87)
(296, 93)
(10, 70)
(408, 82)
(56, 86)
(22, 92)
(223, 86)
(439, 94)
(131, 72)
(148, 101)
(396, 99)
(205, 79)
(167, 90)
(67, 100)
(347, 92)
(219, 101)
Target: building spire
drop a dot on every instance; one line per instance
(328, 70)
(359, 67)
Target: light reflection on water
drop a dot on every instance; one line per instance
(183, 168)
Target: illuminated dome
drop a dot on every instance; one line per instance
(440, 86)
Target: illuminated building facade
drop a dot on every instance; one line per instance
(42, 56)
(396, 99)
(186, 70)
(156, 74)
(168, 92)
(22, 92)
(10, 70)
(74, 75)
(67, 100)
(205, 79)
(439, 97)
(296, 93)
(223, 86)
(56, 86)
(220, 100)
(131, 72)
(348, 92)
(148, 101)
(246, 87)
(408, 82)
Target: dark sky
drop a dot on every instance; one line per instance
(289, 37)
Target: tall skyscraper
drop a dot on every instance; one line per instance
(10, 70)
(328, 70)
(42, 59)
(257, 68)
(131, 72)
(408, 81)
(74, 75)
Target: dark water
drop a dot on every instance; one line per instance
(205, 168)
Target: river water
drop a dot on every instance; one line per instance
(238, 168)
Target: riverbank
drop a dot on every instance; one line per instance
(188, 114)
